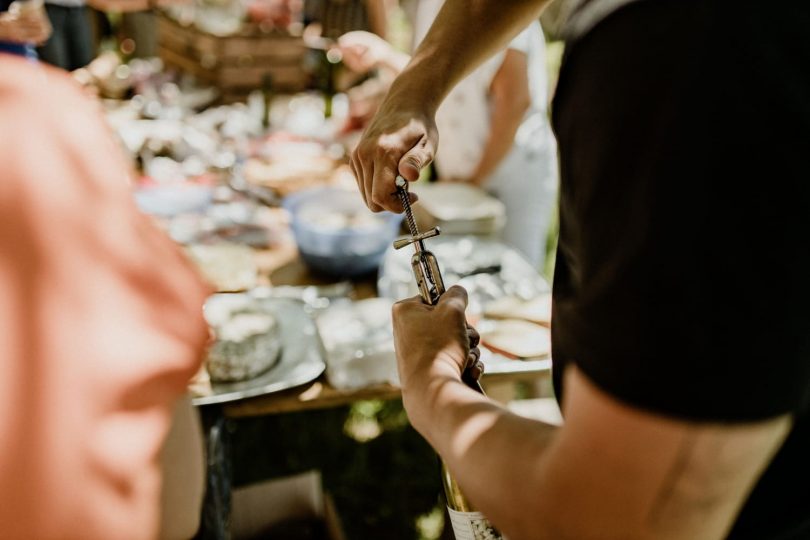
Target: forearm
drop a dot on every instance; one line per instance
(465, 33)
(378, 11)
(477, 440)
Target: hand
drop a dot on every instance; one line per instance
(28, 27)
(400, 140)
(363, 51)
(434, 344)
(475, 367)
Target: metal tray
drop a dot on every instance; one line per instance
(487, 268)
(302, 357)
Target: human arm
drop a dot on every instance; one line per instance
(510, 99)
(378, 12)
(26, 27)
(612, 470)
(402, 138)
(103, 319)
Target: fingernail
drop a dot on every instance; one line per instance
(413, 163)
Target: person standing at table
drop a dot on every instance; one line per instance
(681, 329)
(495, 129)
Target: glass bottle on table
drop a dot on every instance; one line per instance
(332, 58)
(267, 97)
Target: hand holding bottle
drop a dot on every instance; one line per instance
(434, 344)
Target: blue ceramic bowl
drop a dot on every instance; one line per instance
(336, 234)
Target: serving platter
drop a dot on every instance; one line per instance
(301, 360)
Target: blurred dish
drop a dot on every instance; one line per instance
(228, 267)
(301, 360)
(516, 338)
(488, 269)
(459, 208)
(359, 342)
(536, 310)
(247, 338)
(289, 175)
(336, 234)
(171, 199)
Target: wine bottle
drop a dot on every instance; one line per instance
(467, 522)
(267, 98)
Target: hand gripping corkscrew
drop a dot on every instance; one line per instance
(424, 264)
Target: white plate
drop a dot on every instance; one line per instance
(302, 356)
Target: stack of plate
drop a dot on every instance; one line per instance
(459, 209)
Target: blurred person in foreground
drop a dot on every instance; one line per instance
(494, 124)
(102, 329)
(22, 27)
(681, 334)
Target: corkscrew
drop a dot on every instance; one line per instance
(424, 264)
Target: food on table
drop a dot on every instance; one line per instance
(336, 234)
(488, 269)
(359, 343)
(228, 267)
(340, 219)
(247, 344)
(536, 310)
(288, 175)
(520, 339)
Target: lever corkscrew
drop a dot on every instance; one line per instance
(423, 262)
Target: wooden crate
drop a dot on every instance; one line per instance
(235, 64)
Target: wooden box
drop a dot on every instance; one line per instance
(235, 64)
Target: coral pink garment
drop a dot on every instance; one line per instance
(100, 322)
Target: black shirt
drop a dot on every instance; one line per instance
(683, 269)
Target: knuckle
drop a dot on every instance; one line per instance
(376, 200)
(387, 151)
(397, 309)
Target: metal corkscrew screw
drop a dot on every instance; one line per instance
(423, 262)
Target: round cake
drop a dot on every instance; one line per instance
(247, 344)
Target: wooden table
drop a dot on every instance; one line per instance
(279, 267)
(321, 395)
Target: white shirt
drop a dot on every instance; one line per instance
(526, 180)
(464, 117)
